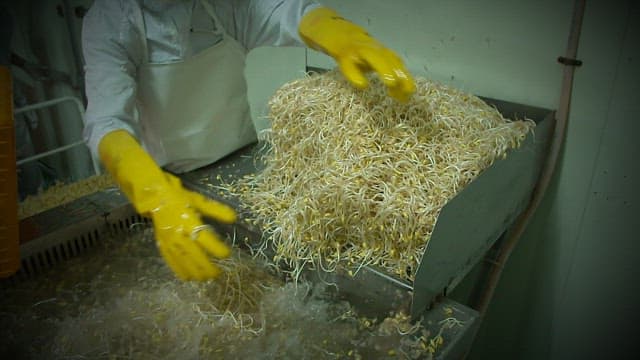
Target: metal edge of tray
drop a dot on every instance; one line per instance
(372, 292)
(470, 223)
(69, 230)
(515, 176)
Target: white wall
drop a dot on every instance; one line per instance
(267, 69)
(584, 287)
(500, 49)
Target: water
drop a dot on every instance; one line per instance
(120, 301)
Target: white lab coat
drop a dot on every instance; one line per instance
(113, 51)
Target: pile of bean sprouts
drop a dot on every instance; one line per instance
(356, 177)
(63, 193)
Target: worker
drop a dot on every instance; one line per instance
(167, 94)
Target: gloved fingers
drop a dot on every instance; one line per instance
(185, 254)
(187, 244)
(208, 207)
(405, 87)
(400, 93)
(378, 61)
(353, 71)
(391, 71)
(201, 236)
(192, 257)
(180, 235)
(177, 243)
(174, 263)
(173, 180)
(197, 239)
(213, 209)
(210, 241)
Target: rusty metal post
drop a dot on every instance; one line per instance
(9, 241)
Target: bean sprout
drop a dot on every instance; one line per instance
(355, 177)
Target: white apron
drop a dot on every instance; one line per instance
(194, 112)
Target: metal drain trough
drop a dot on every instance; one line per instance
(467, 227)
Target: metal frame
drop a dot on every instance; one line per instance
(467, 226)
(49, 103)
(471, 222)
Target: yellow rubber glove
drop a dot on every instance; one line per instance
(355, 51)
(175, 211)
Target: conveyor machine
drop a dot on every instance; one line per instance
(467, 227)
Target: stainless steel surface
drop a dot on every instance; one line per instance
(69, 230)
(472, 221)
(467, 226)
(375, 292)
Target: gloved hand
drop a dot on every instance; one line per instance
(355, 51)
(181, 237)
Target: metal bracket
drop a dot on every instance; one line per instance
(44, 104)
(569, 61)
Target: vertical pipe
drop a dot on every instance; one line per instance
(516, 231)
(9, 243)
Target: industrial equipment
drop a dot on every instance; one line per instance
(467, 227)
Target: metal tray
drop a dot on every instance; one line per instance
(466, 228)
